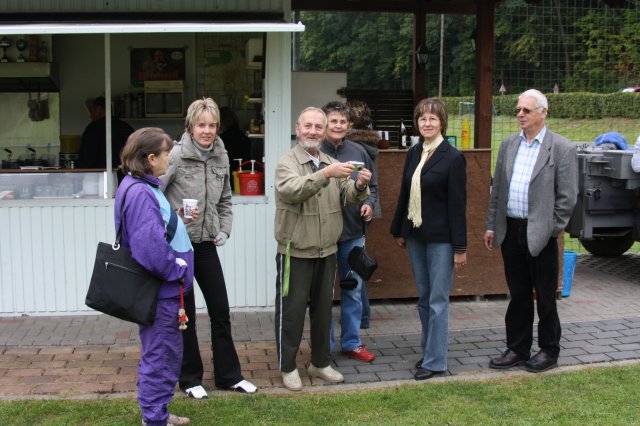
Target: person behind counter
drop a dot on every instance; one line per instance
(93, 144)
(235, 141)
(146, 215)
(430, 221)
(199, 169)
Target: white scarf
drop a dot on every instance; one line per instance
(415, 196)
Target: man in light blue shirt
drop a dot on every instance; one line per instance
(535, 187)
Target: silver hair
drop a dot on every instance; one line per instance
(541, 99)
(316, 109)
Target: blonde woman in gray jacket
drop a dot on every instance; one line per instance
(199, 169)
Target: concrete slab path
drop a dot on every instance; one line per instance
(96, 355)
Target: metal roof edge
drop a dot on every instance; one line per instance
(137, 28)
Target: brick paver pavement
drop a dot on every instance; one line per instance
(95, 355)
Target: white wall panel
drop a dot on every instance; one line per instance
(47, 253)
(46, 261)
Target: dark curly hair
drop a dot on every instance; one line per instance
(336, 106)
(360, 114)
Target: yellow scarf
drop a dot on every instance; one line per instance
(415, 196)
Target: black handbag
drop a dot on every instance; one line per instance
(119, 285)
(360, 262)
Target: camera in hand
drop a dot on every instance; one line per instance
(359, 165)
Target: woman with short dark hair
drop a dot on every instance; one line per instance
(147, 214)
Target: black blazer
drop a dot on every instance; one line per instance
(443, 187)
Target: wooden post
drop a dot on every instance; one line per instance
(485, 16)
(419, 39)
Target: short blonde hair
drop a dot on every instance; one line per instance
(197, 109)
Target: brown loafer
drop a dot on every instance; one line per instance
(508, 359)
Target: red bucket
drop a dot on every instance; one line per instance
(251, 183)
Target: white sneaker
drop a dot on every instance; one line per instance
(244, 386)
(175, 420)
(197, 392)
(292, 380)
(328, 374)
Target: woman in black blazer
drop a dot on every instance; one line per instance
(430, 221)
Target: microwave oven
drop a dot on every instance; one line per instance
(164, 98)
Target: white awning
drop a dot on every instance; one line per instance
(170, 27)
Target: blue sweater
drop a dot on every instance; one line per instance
(351, 151)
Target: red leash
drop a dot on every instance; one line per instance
(182, 314)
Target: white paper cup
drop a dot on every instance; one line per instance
(189, 205)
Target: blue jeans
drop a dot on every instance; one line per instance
(432, 265)
(350, 300)
(366, 307)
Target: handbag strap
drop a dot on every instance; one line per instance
(172, 226)
(364, 232)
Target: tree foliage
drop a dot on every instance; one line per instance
(375, 48)
(580, 45)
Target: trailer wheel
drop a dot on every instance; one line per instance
(608, 246)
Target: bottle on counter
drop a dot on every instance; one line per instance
(466, 134)
(402, 140)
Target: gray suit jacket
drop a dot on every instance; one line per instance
(553, 190)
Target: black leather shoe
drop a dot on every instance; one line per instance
(422, 374)
(508, 359)
(541, 362)
(419, 363)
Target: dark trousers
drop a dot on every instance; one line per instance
(310, 281)
(524, 273)
(226, 366)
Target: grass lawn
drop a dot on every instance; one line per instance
(597, 396)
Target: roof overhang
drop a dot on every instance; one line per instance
(138, 28)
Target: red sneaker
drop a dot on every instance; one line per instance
(361, 354)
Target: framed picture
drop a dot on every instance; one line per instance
(156, 63)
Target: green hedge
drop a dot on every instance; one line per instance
(567, 105)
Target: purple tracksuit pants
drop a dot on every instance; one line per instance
(160, 360)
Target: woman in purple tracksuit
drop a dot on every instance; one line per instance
(146, 215)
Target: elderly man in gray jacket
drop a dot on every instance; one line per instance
(310, 189)
(535, 187)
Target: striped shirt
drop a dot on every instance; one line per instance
(518, 204)
(314, 160)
